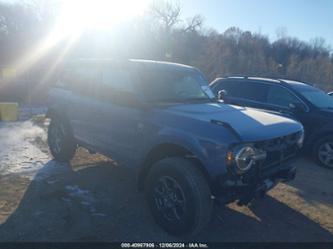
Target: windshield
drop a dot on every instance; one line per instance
(175, 86)
(317, 97)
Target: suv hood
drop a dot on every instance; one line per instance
(250, 124)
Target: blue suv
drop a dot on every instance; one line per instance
(300, 101)
(188, 150)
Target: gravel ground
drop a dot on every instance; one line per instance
(93, 199)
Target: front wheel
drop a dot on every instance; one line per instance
(323, 152)
(179, 196)
(61, 141)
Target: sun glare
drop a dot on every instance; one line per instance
(77, 15)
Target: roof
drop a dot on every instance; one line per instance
(271, 80)
(137, 63)
(161, 65)
(294, 82)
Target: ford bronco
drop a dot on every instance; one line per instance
(188, 149)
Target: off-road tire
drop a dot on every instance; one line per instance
(195, 189)
(61, 140)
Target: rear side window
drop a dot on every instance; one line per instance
(117, 85)
(254, 91)
(245, 90)
(82, 80)
(117, 79)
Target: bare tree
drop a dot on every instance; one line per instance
(281, 32)
(166, 12)
(194, 23)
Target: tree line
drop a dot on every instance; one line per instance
(163, 34)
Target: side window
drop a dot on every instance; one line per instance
(254, 91)
(117, 86)
(117, 79)
(82, 80)
(245, 90)
(65, 79)
(280, 96)
(232, 88)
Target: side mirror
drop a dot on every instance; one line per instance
(298, 107)
(222, 94)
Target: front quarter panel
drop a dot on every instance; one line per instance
(209, 142)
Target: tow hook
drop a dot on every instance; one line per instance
(268, 184)
(260, 191)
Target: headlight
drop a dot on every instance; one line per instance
(245, 158)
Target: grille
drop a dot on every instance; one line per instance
(279, 149)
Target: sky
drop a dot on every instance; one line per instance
(304, 19)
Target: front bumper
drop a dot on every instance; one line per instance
(245, 189)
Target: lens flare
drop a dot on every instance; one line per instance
(98, 14)
(73, 18)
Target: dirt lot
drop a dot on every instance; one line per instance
(95, 200)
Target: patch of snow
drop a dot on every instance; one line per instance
(84, 197)
(28, 112)
(17, 152)
(76, 191)
(37, 213)
(52, 181)
(66, 199)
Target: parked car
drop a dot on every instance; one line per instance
(303, 102)
(162, 120)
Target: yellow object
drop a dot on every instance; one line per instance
(8, 73)
(8, 111)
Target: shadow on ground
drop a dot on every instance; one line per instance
(102, 204)
(314, 183)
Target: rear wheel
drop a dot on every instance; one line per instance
(323, 151)
(179, 196)
(61, 141)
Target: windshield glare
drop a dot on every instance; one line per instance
(174, 86)
(317, 97)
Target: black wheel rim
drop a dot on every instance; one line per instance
(169, 199)
(325, 154)
(56, 138)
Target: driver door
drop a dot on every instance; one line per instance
(119, 117)
(280, 99)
